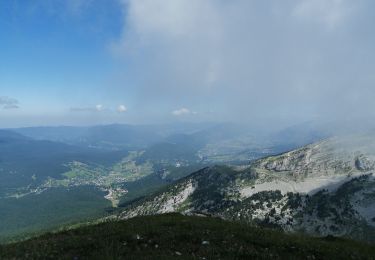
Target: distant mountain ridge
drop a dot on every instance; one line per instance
(326, 188)
(7, 135)
(115, 136)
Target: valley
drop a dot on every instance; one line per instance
(36, 169)
(323, 188)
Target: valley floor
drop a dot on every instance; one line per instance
(173, 236)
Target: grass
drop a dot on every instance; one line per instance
(174, 236)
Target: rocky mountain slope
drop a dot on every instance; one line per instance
(326, 188)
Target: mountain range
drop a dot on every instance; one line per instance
(72, 174)
(299, 179)
(325, 188)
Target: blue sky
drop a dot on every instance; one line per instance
(53, 56)
(69, 62)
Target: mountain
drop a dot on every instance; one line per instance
(173, 236)
(326, 188)
(90, 171)
(68, 179)
(6, 136)
(114, 136)
(213, 141)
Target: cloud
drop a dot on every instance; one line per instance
(122, 109)
(181, 112)
(8, 103)
(250, 60)
(170, 18)
(99, 107)
(191, 29)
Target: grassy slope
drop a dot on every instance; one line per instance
(172, 235)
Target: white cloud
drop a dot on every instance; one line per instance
(99, 107)
(172, 18)
(122, 109)
(8, 103)
(182, 31)
(295, 57)
(181, 112)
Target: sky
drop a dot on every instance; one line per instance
(87, 62)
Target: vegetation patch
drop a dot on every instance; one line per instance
(172, 235)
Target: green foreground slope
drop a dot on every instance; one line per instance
(186, 237)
